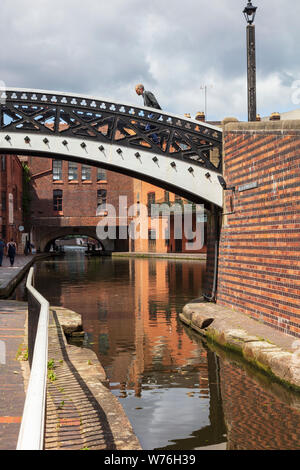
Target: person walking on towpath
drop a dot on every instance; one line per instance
(150, 102)
(11, 251)
(2, 246)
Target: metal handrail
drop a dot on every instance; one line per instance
(31, 435)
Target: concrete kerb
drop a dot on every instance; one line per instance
(270, 351)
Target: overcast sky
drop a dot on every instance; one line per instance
(103, 48)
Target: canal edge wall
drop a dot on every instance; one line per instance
(171, 256)
(272, 352)
(82, 413)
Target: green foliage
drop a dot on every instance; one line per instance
(51, 365)
(51, 376)
(22, 353)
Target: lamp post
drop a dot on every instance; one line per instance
(249, 12)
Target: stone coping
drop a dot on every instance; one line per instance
(273, 352)
(280, 125)
(174, 256)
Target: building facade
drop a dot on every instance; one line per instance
(69, 198)
(66, 197)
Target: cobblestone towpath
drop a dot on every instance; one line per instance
(82, 413)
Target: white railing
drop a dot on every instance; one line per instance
(31, 435)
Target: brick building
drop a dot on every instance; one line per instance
(161, 236)
(65, 197)
(11, 211)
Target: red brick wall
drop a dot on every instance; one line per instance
(79, 197)
(79, 203)
(259, 258)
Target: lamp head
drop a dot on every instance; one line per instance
(249, 12)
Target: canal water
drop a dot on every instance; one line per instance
(177, 391)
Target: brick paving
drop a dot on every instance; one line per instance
(12, 394)
(81, 411)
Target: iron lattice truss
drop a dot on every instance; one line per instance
(108, 122)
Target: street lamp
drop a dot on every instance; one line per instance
(249, 13)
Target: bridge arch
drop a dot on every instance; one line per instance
(47, 235)
(169, 151)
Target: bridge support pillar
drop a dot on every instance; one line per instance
(213, 237)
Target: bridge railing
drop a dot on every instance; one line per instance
(31, 435)
(91, 119)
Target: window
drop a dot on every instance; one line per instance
(15, 198)
(73, 171)
(3, 200)
(151, 240)
(3, 162)
(101, 198)
(86, 172)
(57, 200)
(167, 197)
(167, 236)
(101, 174)
(57, 170)
(151, 200)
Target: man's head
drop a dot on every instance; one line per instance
(139, 89)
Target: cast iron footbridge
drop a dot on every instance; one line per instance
(181, 155)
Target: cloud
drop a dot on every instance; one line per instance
(173, 47)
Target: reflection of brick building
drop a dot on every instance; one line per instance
(130, 339)
(11, 187)
(257, 418)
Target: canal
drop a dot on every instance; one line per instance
(178, 391)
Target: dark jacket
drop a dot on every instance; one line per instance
(150, 100)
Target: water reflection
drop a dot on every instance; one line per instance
(176, 391)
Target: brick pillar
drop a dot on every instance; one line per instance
(259, 258)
